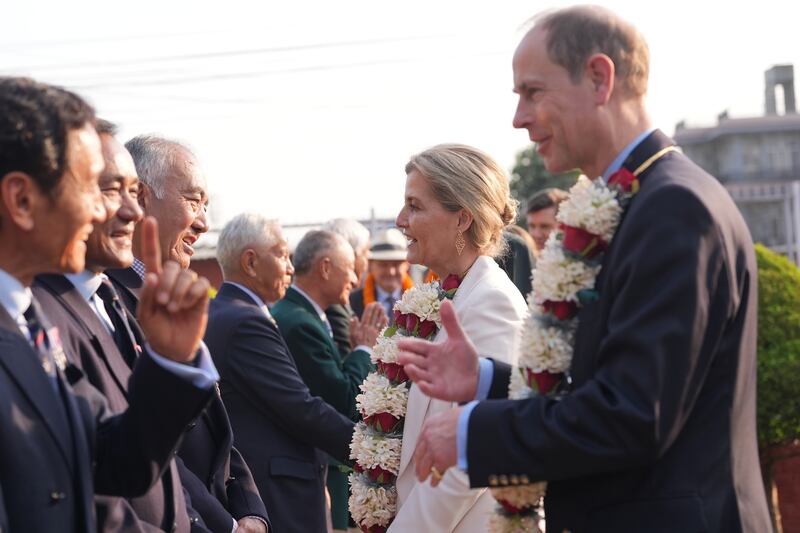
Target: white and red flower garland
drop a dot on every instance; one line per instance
(378, 438)
(563, 281)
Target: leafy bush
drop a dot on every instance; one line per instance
(778, 348)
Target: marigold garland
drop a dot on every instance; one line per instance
(377, 439)
(369, 292)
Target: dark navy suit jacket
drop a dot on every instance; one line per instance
(278, 424)
(658, 431)
(60, 447)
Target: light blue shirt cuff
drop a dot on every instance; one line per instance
(202, 376)
(485, 375)
(461, 434)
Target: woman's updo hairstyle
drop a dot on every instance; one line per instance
(462, 177)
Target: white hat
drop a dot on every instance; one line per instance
(388, 245)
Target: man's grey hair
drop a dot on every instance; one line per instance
(154, 157)
(242, 232)
(313, 246)
(352, 230)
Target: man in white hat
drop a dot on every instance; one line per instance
(388, 273)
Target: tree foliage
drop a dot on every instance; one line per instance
(529, 176)
(778, 348)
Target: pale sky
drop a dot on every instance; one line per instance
(309, 110)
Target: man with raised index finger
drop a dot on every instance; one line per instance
(59, 442)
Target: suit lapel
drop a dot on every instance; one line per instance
(298, 299)
(419, 403)
(86, 319)
(22, 364)
(128, 285)
(644, 150)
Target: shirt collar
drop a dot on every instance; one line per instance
(616, 164)
(87, 282)
(138, 267)
(253, 296)
(13, 296)
(381, 294)
(317, 308)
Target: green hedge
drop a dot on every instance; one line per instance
(778, 348)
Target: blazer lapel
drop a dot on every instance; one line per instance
(22, 364)
(128, 285)
(100, 338)
(419, 403)
(298, 299)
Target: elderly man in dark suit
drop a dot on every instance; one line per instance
(214, 475)
(59, 445)
(106, 341)
(278, 423)
(339, 315)
(657, 430)
(174, 191)
(71, 304)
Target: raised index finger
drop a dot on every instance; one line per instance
(151, 252)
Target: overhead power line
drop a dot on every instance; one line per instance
(251, 74)
(220, 54)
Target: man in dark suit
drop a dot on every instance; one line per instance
(106, 343)
(341, 315)
(59, 443)
(70, 304)
(657, 430)
(277, 422)
(214, 475)
(173, 190)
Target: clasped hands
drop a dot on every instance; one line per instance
(365, 332)
(446, 371)
(173, 303)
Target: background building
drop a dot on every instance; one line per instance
(758, 160)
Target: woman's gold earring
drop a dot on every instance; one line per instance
(460, 243)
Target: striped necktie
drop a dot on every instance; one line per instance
(45, 342)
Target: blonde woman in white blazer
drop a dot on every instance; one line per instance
(457, 204)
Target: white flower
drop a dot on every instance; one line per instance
(522, 495)
(591, 206)
(559, 277)
(518, 387)
(370, 449)
(422, 301)
(545, 348)
(378, 395)
(371, 505)
(385, 348)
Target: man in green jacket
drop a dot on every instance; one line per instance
(324, 276)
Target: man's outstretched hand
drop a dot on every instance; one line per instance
(446, 371)
(173, 306)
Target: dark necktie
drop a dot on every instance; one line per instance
(388, 304)
(48, 349)
(123, 333)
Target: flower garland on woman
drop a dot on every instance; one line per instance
(563, 281)
(377, 439)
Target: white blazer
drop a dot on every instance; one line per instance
(490, 309)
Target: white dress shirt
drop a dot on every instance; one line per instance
(203, 375)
